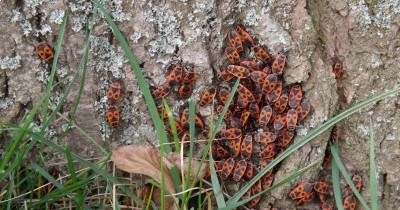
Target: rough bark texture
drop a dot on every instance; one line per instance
(364, 35)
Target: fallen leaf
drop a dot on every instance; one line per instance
(142, 159)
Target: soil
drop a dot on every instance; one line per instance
(363, 35)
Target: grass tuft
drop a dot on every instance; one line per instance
(46, 175)
(21, 133)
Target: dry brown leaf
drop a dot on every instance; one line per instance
(175, 159)
(142, 159)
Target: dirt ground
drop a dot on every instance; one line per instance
(363, 35)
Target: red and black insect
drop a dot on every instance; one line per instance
(235, 41)
(357, 180)
(227, 168)
(223, 94)
(303, 109)
(265, 116)
(234, 146)
(246, 149)
(252, 65)
(44, 51)
(184, 120)
(207, 96)
(302, 193)
(175, 74)
(238, 71)
(350, 203)
(291, 119)
(322, 188)
(113, 116)
(295, 96)
(240, 170)
(262, 54)
(337, 69)
(269, 151)
(249, 174)
(161, 91)
(232, 55)
(244, 35)
(245, 96)
(114, 93)
(265, 137)
(279, 64)
(219, 152)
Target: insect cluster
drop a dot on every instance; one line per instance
(261, 120)
(179, 76)
(113, 114)
(350, 202)
(305, 192)
(182, 79)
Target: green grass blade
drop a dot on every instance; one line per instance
(214, 132)
(25, 150)
(345, 174)
(199, 201)
(276, 185)
(373, 180)
(17, 160)
(172, 125)
(171, 120)
(83, 66)
(215, 129)
(16, 141)
(162, 175)
(143, 85)
(176, 178)
(98, 171)
(336, 186)
(59, 41)
(46, 175)
(191, 133)
(28, 120)
(61, 193)
(11, 187)
(74, 177)
(20, 135)
(218, 124)
(314, 133)
(214, 180)
(219, 196)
